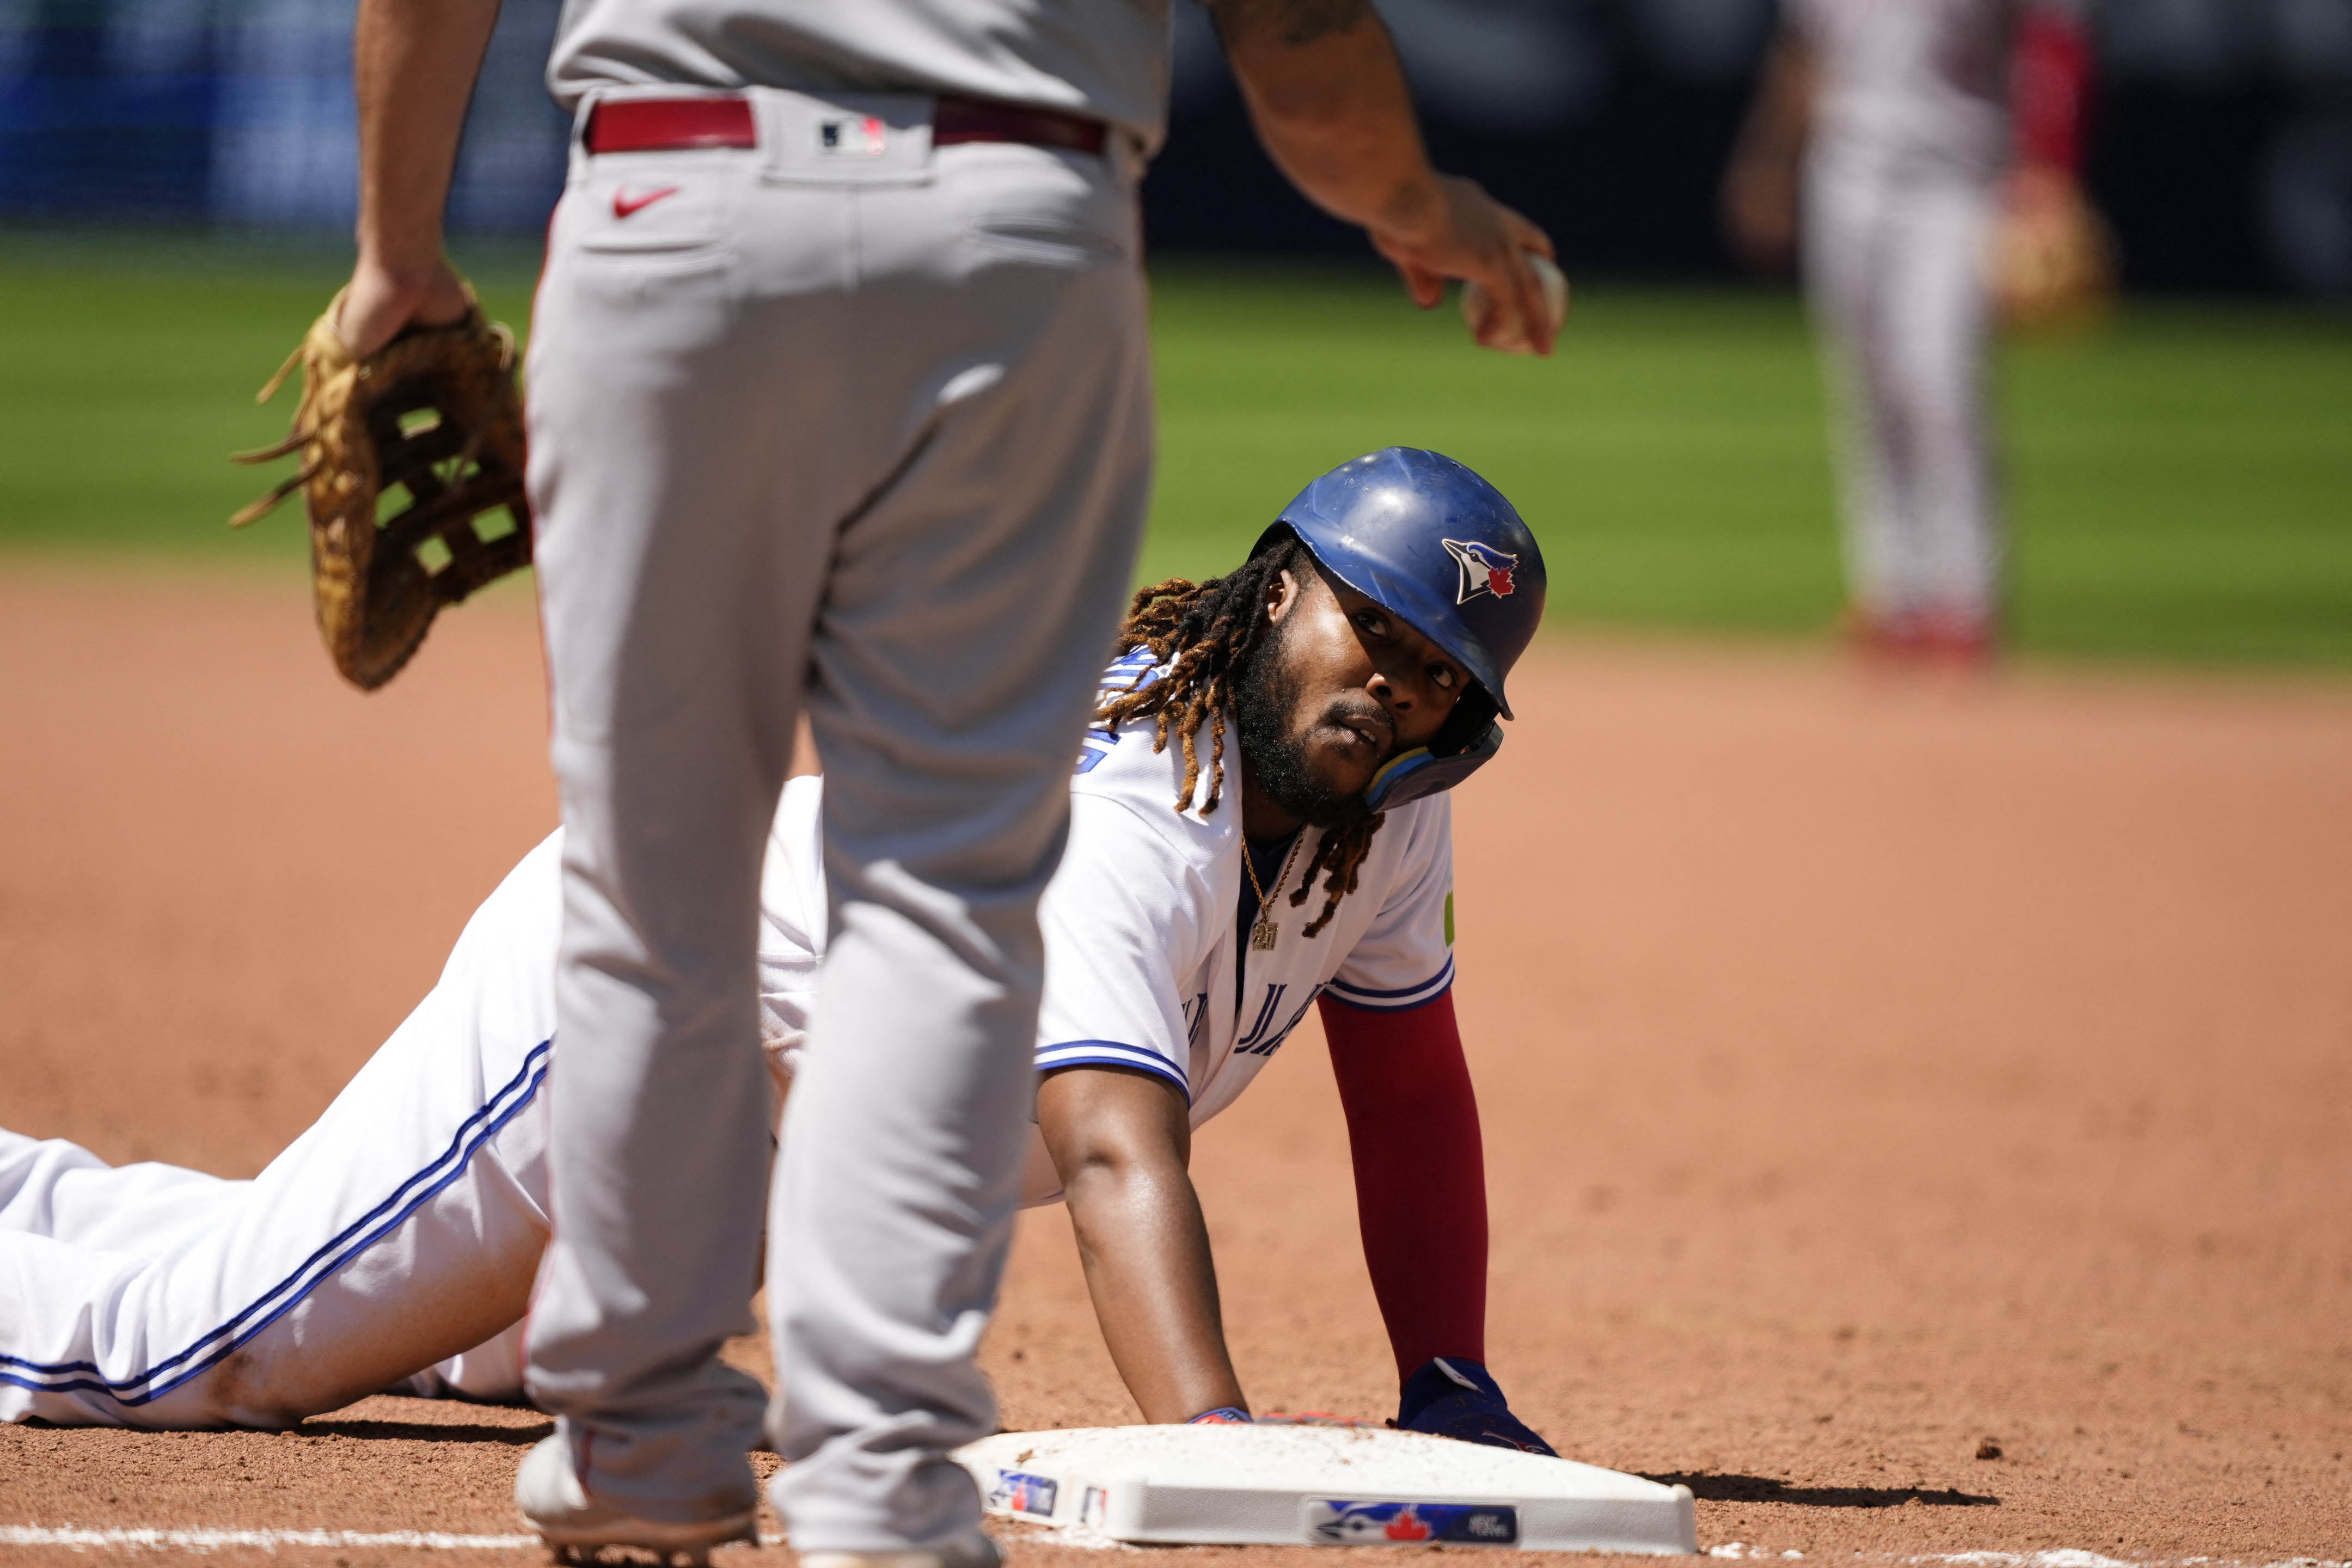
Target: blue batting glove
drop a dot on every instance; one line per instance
(1451, 1397)
(1224, 1415)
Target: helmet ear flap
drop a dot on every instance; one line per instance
(1472, 714)
(1463, 745)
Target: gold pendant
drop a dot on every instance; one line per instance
(1263, 934)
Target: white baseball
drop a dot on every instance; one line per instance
(1477, 305)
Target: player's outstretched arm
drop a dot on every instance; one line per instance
(1421, 1199)
(1121, 1140)
(413, 67)
(1328, 96)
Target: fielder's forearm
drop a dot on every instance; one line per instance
(1328, 96)
(413, 64)
(1421, 1175)
(1120, 1140)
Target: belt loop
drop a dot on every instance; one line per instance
(767, 124)
(576, 155)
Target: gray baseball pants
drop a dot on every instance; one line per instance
(1894, 265)
(849, 423)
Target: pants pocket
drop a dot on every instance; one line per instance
(653, 206)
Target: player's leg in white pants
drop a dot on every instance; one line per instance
(402, 1228)
(1893, 264)
(884, 442)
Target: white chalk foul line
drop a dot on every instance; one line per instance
(136, 1540)
(2065, 1557)
(140, 1539)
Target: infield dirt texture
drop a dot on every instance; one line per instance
(1875, 1076)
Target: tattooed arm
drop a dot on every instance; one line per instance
(1328, 96)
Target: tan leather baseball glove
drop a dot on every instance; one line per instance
(412, 469)
(2051, 264)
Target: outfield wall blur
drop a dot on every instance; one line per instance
(2222, 148)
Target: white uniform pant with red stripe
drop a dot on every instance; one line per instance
(401, 1231)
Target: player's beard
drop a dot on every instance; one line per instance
(1275, 753)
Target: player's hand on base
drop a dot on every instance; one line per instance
(383, 300)
(1455, 229)
(1452, 1397)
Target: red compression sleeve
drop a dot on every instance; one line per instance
(2049, 84)
(1421, 1175)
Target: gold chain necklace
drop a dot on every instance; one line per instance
(1264, 933)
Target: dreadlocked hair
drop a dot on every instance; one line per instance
(1206, 633)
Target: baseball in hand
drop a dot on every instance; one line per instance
(1478, 307)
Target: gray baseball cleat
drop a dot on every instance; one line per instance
(975, 1550)
(551, 1501)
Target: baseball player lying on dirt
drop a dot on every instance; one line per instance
(1356, 664)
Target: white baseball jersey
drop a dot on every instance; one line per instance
(403, 1228)
(1915, 82)
(1107, 59)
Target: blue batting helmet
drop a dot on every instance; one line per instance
(1424, 535)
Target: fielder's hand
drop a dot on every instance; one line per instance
(383, 299)
(1451, 1397)
(1457, 230)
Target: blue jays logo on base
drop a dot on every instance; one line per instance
(1485, 569)
(1030, 1495)
(1337, 1523)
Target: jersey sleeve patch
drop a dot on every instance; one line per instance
(1403, 1000)
(1111, 1054)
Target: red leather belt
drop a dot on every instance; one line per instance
(971, 119)
(676, 124)
(671, 124)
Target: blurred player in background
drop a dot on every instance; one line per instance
(1923, 156)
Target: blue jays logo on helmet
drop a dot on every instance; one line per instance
(1485, 569)
(1424, 535)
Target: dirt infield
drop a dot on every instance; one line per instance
(1916, 1120)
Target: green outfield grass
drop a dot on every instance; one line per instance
(2181, 483)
